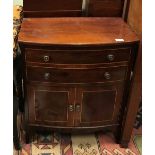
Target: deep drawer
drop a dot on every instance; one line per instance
(77, 57)
(76, 75)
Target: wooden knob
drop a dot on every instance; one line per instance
(71, 107)
(46, 58)
(78, 108)
(107, 75)
(47, 76)
(110, 57)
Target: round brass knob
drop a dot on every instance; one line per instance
(110, 57)
(46, 58)
(107, 75)
(46, 76)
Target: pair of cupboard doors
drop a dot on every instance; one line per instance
(74, 106)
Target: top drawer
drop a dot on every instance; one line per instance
(77, 56)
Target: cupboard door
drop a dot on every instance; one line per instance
(50, 105)
(97, 106)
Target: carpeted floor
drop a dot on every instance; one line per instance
(138, 142)
(88, 144)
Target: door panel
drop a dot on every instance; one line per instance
(98, 105)
(50, 105)
(94, 103)
(54, 107)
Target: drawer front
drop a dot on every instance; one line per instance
(77, 57)
(76, 75)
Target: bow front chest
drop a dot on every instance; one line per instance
(77, 73)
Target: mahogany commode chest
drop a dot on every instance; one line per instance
(77, 73)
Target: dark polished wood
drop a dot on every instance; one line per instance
(105, 8)
(52, 8)
(98, 105)
(50, 105)
(16, 140)
(97, 75)
(76, 8)
(76, 74)
(51, 57)
(75, 31)
(18, 99)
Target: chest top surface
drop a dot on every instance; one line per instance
(76, 31)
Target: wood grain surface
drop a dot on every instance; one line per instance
(75, 31)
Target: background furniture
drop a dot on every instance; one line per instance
(135, 22)
(18, 101)
(62, 81)
(105, 8)
(50, 8)
(15, 112)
